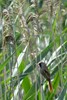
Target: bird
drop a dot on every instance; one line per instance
(45, 72)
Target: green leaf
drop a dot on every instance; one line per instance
(64, 2)
(26, 84)
(5, 62)
(32, 91)
(62, 94)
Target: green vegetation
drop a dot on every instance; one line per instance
(32, 31)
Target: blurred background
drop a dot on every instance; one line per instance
(32, 31)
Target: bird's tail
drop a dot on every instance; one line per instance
(50, 86)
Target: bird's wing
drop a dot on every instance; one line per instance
(46, 73)
(46, 70)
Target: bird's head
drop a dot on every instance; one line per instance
(41, 64)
